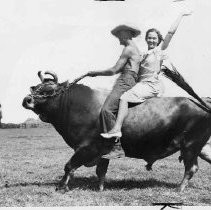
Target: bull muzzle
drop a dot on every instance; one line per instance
(28, 102)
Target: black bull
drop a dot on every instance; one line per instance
(153, 130)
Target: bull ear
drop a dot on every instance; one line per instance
(65, 84)
(32, 89)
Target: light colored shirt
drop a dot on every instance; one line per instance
(150, 65)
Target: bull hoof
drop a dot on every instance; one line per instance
(180, 189)
(101, 188)
(62, 188)
(180, 159)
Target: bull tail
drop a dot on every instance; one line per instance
(177, 78)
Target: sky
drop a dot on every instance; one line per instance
(72, 37)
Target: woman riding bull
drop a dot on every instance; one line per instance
(149, 84)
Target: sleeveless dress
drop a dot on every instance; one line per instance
(149, 85)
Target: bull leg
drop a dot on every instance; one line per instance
(149, 165)
(191, 167)
(68, 176)
(101, 170)
(81, 157)
(206, 153)
(182, 145)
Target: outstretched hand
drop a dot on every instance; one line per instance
(187, 13)
(91, 74)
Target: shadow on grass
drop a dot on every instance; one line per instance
(91, 183)
(142, 184)
(26, 184)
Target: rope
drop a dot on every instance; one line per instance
(78, 79)
(36, 94)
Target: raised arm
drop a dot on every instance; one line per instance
(116, 68)
(172, 30)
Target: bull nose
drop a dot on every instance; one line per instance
(28, 102)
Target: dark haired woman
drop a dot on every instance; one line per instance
(149, 84)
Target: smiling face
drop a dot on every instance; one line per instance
(152, 40)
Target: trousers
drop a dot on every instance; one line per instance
(109, 110)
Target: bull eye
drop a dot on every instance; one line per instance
(44, 89)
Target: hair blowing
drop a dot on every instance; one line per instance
(160, 37)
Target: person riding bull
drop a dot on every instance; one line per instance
(142, 69)
(149, 85)
(128, 66)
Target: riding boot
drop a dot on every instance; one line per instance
(116, 152)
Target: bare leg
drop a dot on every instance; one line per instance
(117, 150)
(122, 113)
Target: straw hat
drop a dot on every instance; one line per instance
(117, 29)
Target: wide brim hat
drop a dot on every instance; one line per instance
(135, 31)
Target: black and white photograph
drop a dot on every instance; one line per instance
(105, 103)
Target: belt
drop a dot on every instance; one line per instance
(130, 72)
(149, 76)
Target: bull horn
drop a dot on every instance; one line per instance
(40, 75)
(53, 74)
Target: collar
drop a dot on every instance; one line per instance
(152, 51)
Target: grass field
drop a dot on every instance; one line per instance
(32, 162)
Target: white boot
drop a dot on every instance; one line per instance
(111, 135)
